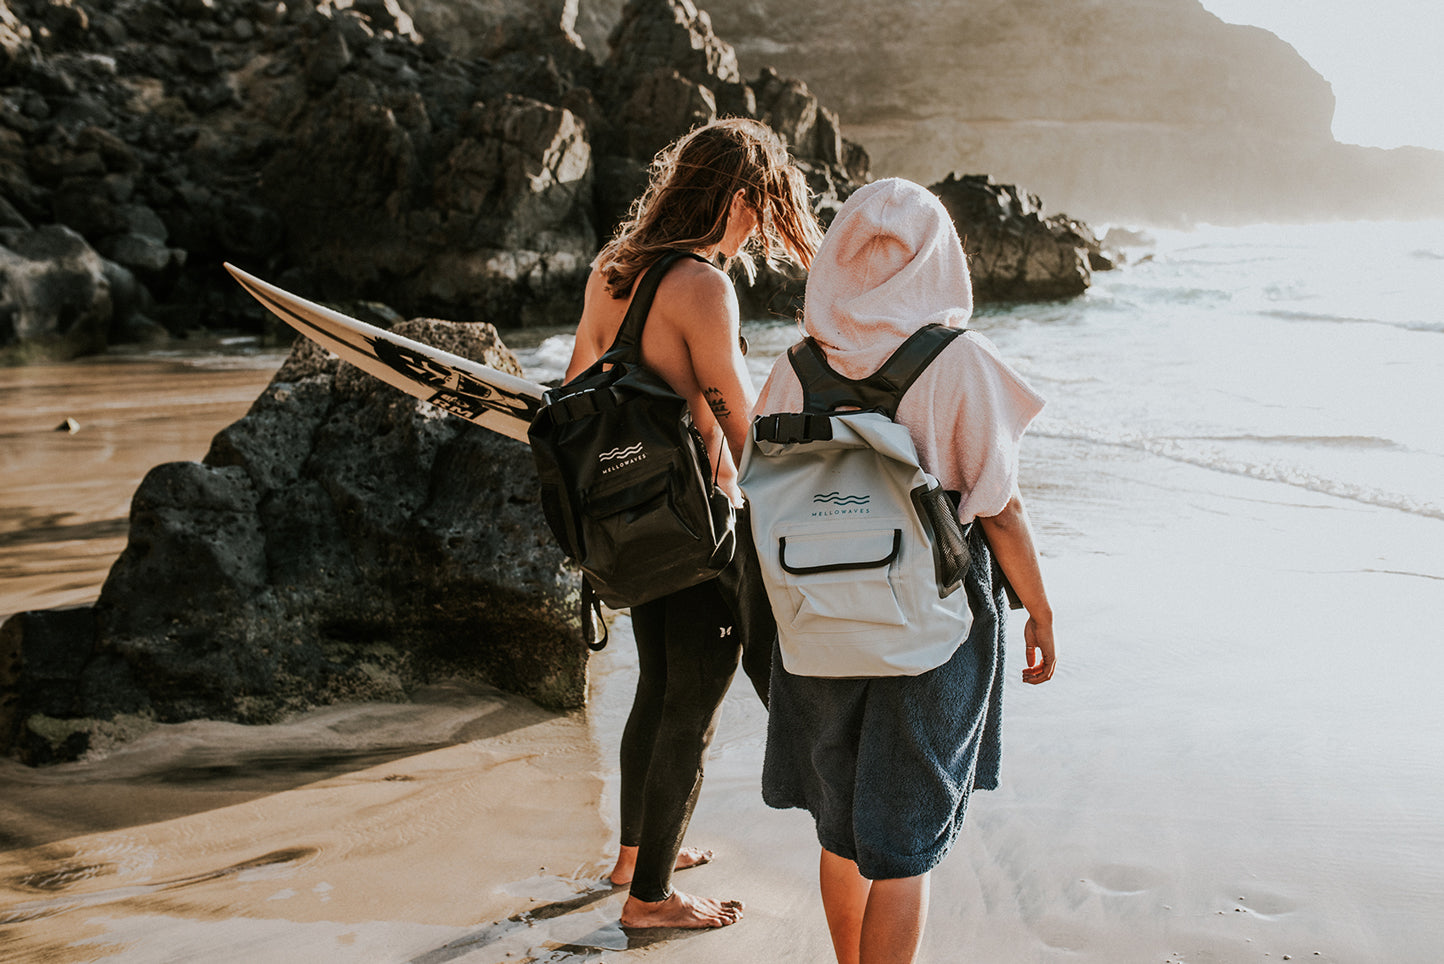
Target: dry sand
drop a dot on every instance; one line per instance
(1237, 762)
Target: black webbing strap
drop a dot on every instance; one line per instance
(824, 390)
(629, 335)
(791, 427)
(588, 401)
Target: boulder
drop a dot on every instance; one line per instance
(492, 28)
(341, 541)
(516, 238)
(1014, 252)
(661, 103)
(669, 33)
(789, 108)
(16, 48)
(481, 210)
(55, 294)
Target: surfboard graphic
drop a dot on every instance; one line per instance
(492, 399)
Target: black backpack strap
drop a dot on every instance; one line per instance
(882, 391)
(629, 335)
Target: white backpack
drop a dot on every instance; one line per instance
(860, 548)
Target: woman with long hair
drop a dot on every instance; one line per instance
(725, 193)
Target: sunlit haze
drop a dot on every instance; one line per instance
(1382, 59)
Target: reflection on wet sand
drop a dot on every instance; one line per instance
(340, 819)
(65, 496)
(67, 878)
(494, 938)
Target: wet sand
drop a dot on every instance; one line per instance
(1237, 761)
(352, 833)
(65, 496)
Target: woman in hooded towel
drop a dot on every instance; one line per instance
(885, 765)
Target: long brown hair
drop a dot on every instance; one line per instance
(690, 195)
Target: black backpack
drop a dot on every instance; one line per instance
(626, 481)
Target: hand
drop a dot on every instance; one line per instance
(1041, 658)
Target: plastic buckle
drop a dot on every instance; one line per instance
(793, 427)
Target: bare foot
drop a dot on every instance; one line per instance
(681, 910)
(621, 874)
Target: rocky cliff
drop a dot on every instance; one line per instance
(1150, 110)
(462, 160)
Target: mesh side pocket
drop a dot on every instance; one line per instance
(939, 512)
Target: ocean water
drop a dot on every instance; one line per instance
(1312, 356)
(1238, 484)
(1309, 355)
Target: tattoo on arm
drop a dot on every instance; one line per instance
(716, 402)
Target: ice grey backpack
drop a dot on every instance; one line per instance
(861, 550)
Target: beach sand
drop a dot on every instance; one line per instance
(1236, 762)
(65, 496)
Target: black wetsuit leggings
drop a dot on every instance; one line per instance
(688, 647)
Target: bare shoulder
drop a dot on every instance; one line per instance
(596, 290)
(698, 289)
(597, 326)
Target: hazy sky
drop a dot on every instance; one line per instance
(1382, 57)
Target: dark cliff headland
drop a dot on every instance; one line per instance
(1132, 111)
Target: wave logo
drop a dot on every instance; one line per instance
(840, 500)
(622, 453)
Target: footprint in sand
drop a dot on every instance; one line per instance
(61, 878)
(1122, 880)
(1263, 904)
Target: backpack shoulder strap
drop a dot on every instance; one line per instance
(825, 390)
(629, 335)
(903, 367)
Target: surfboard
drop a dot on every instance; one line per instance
(478, 393)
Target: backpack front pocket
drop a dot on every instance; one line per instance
(646, 514)
(836, 577)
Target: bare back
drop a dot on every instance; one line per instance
(691, 341)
